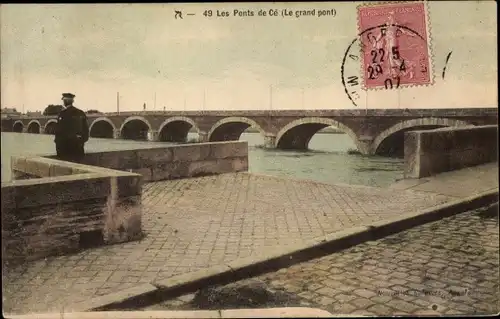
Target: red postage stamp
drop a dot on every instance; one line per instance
(394, 45)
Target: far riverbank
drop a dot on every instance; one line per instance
(328, 130)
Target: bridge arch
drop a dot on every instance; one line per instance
(297, 134)
(50, 127)
(34, 127)
(135, 128)
(383, 145)
(231, 128)
(18, 127)
(176, 129)
(102, 127)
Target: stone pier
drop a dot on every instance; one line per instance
(269, 141)
(203, 137)
(153, 136)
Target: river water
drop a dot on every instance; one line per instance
(326, 161)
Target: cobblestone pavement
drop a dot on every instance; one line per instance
(448, 267)
(191, 224)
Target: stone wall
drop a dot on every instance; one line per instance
(54, 207)
(435, 151)
(176, 161)
(70, 207)
(6, 125)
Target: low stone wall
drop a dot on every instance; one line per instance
(54, 207)
(70, 207)
(435, 151)
(176, 161)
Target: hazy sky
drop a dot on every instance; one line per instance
(96, 50)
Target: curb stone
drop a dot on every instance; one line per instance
(280, 257)
(289, 312)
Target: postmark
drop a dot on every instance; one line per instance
(391, 50)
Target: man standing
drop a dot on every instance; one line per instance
(72, 131)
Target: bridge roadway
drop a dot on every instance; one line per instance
(373, 131)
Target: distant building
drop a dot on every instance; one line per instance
(34, 114)
(93, 112)
(9, 113)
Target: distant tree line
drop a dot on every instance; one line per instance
(54, 109)
(7, 110)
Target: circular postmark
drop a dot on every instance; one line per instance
(384, 57)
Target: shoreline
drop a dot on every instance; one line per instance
(320, 132)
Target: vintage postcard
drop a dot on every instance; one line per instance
(253, 159)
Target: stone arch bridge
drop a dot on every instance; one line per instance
(372, 131)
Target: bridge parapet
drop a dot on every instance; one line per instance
(324, 112)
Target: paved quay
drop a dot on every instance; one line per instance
(448, 267)
(193, 224)
(459, 183)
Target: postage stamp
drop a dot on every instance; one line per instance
(394, 45)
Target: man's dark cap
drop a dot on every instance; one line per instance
(68, 96)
